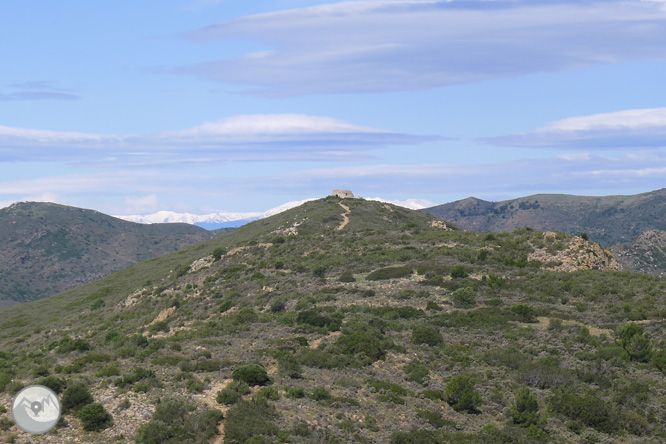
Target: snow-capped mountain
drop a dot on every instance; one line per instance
(233, 219)
(221, 218)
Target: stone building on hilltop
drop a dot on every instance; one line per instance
(342, 194)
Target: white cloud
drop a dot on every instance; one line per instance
(237, 138)
(636, 128)
(364, 46)
(132, 192)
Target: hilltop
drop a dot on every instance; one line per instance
(352, 321)
(607, 219)
(47, 248)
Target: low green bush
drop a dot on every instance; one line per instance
(247, 421)
(175, 421)
(390, 273)
(94, 417)
(76, 395)
(251, 374)
(588, 409)
(426, 334)
(460, 393)
(232, 393)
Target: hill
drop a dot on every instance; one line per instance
(608, 219)
(48, 248)
(346, 321)
(646, 253)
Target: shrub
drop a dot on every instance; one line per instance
(525, 409)
(365, 347)
(459, 271)
(464, 297)
(313, 318)
(587, 409)
(426, 334)
(176, 421)
(218, 253)
(95, 417)
(658, 359)
(270, 393)
(347, 276)
(76, 395)
(295, 392)
(278, 305)
(55, 384)
(250, 419)
(524, 312)
(108, 370)
(544, 376)
(417, 372)
(631, 338)
(5, 379)
(194, 386)
(417, 436)
(461, 394)
(6, 424)
(320, 394)
(251, 374)
(390, 273)
(232, 393)
(289, 367)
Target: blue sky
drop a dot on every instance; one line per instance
(229, 105)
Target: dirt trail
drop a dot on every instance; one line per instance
(344, 216)
(209, 399)
(331, 335)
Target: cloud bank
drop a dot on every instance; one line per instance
(636, 128)
(237, 138)
(583, 173)
(371, 46)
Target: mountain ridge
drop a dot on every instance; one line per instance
(606, 219)
(47, 248)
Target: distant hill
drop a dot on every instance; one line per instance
(646, 253)
(47, 248)
(607, 219)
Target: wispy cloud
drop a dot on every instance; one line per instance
(637, 128)
(37, 90)
(237, 138)
(129, 191)
(366, 46)
(37, 95)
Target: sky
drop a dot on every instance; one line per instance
(198, 106)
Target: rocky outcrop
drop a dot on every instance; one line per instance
(577, 254)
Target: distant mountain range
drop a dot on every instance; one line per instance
(47, 248)
(222, 219)
(620, 222)
(606, 219)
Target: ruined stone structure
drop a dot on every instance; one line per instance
(342, 194)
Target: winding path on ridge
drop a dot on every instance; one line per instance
(345, 216)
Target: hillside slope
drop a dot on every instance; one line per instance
(646, 253)
(47, 248)
(607, 219)
(353, 322)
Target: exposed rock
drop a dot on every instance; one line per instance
(440, 224)
(199, 264)
(578, 254)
